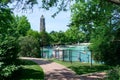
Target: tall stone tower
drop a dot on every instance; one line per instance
(42, 24)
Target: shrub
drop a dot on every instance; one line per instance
(8, 57)
(114, 74)
(29, 46)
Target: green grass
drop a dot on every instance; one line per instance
(83, 68)
(29, 71)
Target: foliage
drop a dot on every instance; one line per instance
(105, 42)
(35, 34)
(8, 43)
(8, 71)
(8, 57)
(58, 37)
(100, 41)
(44, 38)
(74, 35)
(113, 74)
(89, 15)
(29, 46)
(100, 23)
(106, 51)
(11, 28)
(9, 34)
(61, 5)
(113, 58)
(22, 25)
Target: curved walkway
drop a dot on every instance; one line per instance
(55, 71)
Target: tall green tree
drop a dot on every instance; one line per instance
(100, 22)
(36, 36)
(29, 46)
(44, 39)
(33, 33)
(75, 35)
(58, 37)
(22, 25)
(9, 46)
(8, 43)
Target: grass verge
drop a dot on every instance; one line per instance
(83, 68)
(29, 71)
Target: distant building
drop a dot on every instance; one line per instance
(42, 24)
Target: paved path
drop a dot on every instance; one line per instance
(55, 71)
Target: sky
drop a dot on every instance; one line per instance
(59, 23)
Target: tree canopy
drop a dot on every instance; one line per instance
(60, 5)
(9, 47)
(22, 25)
(101, 24)
(46, 4)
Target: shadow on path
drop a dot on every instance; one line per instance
(55, 71)
(37, 60)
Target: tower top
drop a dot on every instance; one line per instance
(42, 16)
(42, 23)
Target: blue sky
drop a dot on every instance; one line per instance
(59, 23)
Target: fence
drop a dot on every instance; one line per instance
(81, 54)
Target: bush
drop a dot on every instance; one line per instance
(8, 57)
(7, 71)
(29, 46)
(107, 52)
(8, 43)
(114, 74)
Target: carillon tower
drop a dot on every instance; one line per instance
(42, 24)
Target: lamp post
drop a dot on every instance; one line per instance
(41, 48)
(91, 60)
(85, 50)
(90, 57)
(70, 56)
(80, 56)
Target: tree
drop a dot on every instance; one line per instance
(22, 25)
(61, 5)
(58, 37)
(74, 35)
(61, 37)
(8, 43)
(44, 39)
(33, 33)
(9, 47)
(29, 46)
(99, 21)
(36, 36)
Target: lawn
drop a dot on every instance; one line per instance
(83, 68)
(29, 71)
